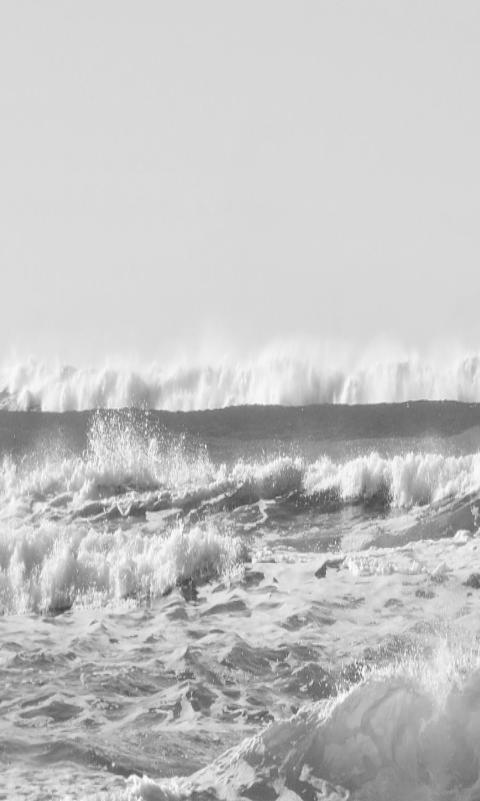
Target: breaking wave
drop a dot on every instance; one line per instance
(51, 567)
(402, 481)
(285, 378)
(412, 732)
(126, 472)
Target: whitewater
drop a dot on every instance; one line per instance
(206, 599)
(283, 375)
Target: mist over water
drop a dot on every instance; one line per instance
(290, 375)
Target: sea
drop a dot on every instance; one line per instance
(223, 586)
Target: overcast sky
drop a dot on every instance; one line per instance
(178, 174)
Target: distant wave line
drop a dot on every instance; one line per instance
(271, 379)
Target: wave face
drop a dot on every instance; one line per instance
(88, 486)
(127, 470)
(397, 736)
(271, 379)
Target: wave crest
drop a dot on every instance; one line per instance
(52, 567)
(274, 378)
(126, 472)
(394, 736)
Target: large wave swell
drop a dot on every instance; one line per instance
(126, 472)
(395, 736)
(289, 378)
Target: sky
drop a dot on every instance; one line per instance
(178, 176)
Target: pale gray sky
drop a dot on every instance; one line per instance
(189, 172)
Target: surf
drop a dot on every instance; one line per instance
(406, 731)
(291, 376)
(132, 466)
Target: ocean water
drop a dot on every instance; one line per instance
(286, 374)
(252, 602)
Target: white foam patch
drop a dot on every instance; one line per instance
(405, 480)
(437, 559)
(53, 567)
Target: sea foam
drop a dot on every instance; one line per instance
(290, 376)
(407, 731)
(403, 481)
(51, 567)
(133, 476)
